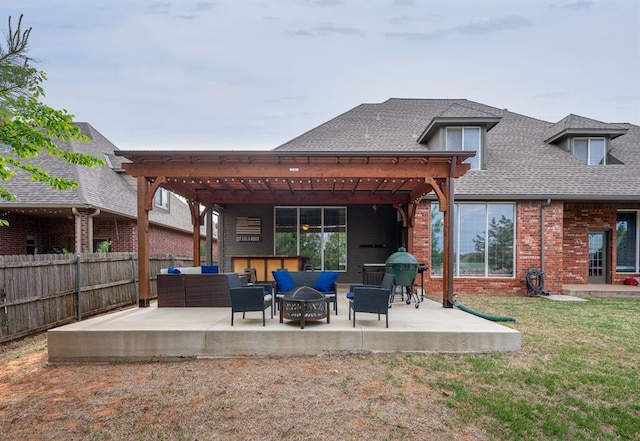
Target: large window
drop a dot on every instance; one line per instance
(591, 151)
(483, 240)
(627, 246)
(318, 233)
(466, 139)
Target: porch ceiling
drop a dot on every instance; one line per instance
(219, 177)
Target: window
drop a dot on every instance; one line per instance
(161, 198)
(32, 248)
(318, 233)
(466, 139)
(627, 244)
(591, 151)
(483, 242)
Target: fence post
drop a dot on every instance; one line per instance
(135, 277)
(79, 290)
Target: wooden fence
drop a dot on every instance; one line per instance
(40, 292)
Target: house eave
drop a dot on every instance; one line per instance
(609, 133)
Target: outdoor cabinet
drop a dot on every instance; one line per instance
(265, 264)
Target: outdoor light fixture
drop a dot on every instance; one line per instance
(305, 227)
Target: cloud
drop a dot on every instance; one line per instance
(326, 2)
(203, 6)
(324, 30)
(166, 8)
(489, 25)
(579, 4)
(159, 8)
(481, 26)
(403, 2)
(415, 36)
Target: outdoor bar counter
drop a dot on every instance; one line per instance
(264, 264)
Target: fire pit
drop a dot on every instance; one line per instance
(303, 304)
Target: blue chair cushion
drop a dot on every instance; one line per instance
(350, 295)
(209, 269)
(172, 270)
(284, 281)
(326, 281)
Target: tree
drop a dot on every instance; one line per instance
(500, 245)
(27, 126)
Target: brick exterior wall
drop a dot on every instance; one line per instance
(51, 234)
(164, 240)
(578, 220)
(528, 215)
(55, 234)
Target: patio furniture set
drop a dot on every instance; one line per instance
(300, 296)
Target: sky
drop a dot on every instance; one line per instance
(252, 74)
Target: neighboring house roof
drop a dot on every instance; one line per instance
(103, 187)
(519, 161)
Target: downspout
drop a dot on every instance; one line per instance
(544, 205)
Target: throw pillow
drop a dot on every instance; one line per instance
(172, 270)
(325, 281)
(284, 281)
(209, 269)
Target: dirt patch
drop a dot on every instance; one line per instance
(345, 397)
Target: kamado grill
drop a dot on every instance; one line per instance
(303, 304)
(405, 268)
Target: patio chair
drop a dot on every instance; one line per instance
(250, 298)
(388, 282)
(370, 300)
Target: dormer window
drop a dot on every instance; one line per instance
(466, 139)
(460, 128)
(591, 151)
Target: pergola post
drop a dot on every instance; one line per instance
(194, 208)
(143, 243)
(447, 295)
(197, 220)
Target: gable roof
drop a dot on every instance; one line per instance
(519, 161)
(100, 187)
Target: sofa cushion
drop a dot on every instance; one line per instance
(284, 281)
(209, 269)
(326, 281)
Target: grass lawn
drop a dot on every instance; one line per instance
(577, 378)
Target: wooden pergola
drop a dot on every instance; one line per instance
(209, 178)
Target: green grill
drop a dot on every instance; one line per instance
(403, 266)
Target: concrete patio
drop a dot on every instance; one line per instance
(144, 334)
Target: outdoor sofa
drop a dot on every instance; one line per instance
(188, 287)
(323, 281)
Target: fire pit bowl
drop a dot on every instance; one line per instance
(303, 304)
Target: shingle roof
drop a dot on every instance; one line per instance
(99, 187)
(519, 164)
